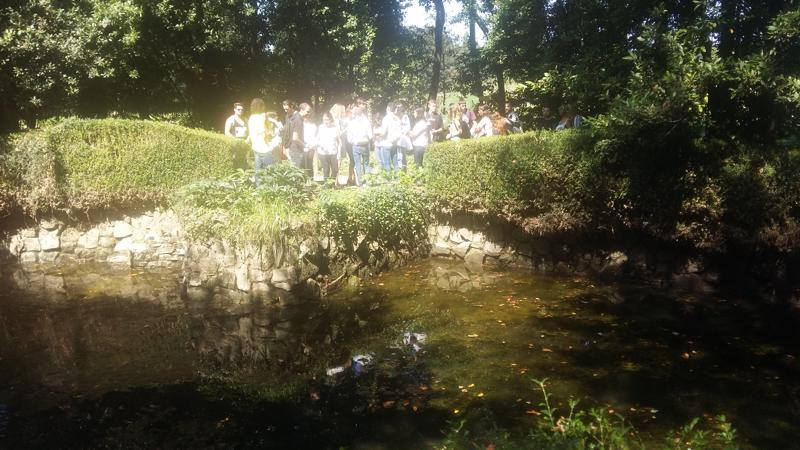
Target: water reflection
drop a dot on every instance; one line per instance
(399, 355)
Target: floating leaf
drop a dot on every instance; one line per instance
(472, 335)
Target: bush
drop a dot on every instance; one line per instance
(549, 178)
(393, 215)
(84, 164)
(246, 207)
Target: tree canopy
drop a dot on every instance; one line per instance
(732, 62)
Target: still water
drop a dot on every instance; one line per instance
(96, 358)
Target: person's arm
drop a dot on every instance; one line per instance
(228, 126)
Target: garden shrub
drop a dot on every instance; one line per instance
(86, 164)
(549, 178)
(394, 215)
(246, 207)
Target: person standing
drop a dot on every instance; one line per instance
(260, 134)
(484, 126)
(310, 144)
(514, 125)
(296, 127)
(389, 133)
(286, 138)
(435, 122)
(235, 126)
(328, 146)
(359, 134)
(419, 135)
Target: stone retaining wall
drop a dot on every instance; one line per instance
(153, 239)
(316, 264)
(508, 246)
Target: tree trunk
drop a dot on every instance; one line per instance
(475, 70)
(501, 89)
(438, 52)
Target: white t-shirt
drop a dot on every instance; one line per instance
(420, 130)
(327, 140)
(258, 133)
(309, 135)
(483, 127)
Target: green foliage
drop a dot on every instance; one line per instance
(246, 207)
(578, 428)
(82, 165)
(550, 178)
(394, 215)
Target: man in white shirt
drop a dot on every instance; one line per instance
(386, 144)
(359, 134)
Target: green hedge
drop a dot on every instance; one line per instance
(85, 164)
(549, 179)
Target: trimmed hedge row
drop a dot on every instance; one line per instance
(550, 179)
(88, 164)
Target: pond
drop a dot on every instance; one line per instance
(92, 357)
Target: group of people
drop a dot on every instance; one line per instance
(397, 135)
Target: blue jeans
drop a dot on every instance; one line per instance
(387, 156)
(360, 162)
(262, 160)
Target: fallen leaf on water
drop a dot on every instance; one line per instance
(465, 390)
(472, 335)
(414, 408)
(685, 355)
(471, 385)
(480, 394)
(547, 350)
(456, 411)
(388, 403)
(533, 412)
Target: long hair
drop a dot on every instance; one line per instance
(257, 106)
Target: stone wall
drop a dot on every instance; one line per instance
(318, 264)
(480, 244)
(153, 239)
(310, 268)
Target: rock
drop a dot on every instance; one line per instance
(89, 239)
(692, 282)
(105, 229)
(478, 240)
(122, 229)
(69, 239)
(455, 237)
(693, 266)
(465, 234)
(474, 260)
(48, 257)
(27, 233)
(614, 263)
(16, 245)
(49, 240)
(540, 246)
(54, 283)
(31, 244)
(28, 257)
(492, 249)
(242, 277)
(122, 258)
(49, 224)
(128, 244)
(107, 242)
(440, 248)
(443, 231)
(165, 249)
(284, 277)
(461, 249)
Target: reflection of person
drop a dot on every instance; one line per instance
(235, 126)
